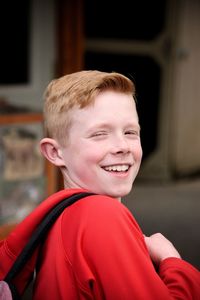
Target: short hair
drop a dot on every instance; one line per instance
(78, 89)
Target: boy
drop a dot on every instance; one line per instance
(96, 249)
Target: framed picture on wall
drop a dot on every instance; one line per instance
(26, 178)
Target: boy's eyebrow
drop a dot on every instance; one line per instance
(107, 125)
(135, 125)
(97, 127)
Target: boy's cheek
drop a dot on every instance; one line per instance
(138, 153)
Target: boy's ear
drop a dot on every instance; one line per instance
(51, 150)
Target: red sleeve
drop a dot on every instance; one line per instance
(181, 278)
(114, 257)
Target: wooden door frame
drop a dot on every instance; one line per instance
(70, 36)
(70, 44)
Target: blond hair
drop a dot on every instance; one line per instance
(77, 90)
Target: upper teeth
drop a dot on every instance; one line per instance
(118, 168)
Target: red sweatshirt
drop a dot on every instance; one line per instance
(96, 250)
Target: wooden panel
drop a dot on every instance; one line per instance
(70, 36)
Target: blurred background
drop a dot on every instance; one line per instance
(157, 45)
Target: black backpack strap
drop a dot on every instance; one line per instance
(39, 234)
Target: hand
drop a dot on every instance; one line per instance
(160, 248)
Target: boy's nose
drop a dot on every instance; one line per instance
(120, 145)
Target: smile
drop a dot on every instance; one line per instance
(117, 168)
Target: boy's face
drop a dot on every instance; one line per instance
(103, 153)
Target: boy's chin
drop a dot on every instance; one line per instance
(119, 193)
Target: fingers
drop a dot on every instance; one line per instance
(160, 248)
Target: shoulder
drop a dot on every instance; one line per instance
(99, 220)
(99, 211)
(98, 205)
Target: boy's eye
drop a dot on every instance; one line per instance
(99, 133)
(132, 132)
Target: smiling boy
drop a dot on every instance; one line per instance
(96, 249)
(102, 151)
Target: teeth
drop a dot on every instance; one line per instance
(117, 168)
